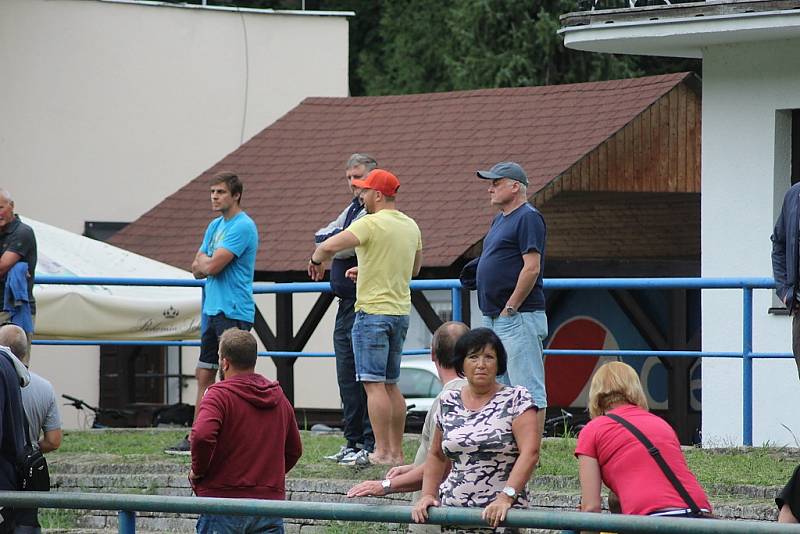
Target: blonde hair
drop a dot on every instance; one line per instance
(615, 383)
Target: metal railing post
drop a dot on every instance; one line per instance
(457, 305)
(127, 522)
(747, 366)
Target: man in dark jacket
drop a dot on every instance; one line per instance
(244, 439)
(12, 433)
(784, 261)
(360, 440)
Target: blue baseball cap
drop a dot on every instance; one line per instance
(505, 169)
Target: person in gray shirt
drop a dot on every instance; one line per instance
(41, 411)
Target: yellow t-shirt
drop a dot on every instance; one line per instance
(389, 242)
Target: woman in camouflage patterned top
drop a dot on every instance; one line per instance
(486, 436)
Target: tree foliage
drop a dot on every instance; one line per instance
(469, 44)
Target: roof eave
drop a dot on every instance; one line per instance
(675, 36)
(257, 11)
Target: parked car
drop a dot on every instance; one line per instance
(419, 383)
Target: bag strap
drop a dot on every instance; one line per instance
(656, 455)
(27, 427)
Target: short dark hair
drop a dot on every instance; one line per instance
(475, 340)
(239, 348)
(232, 182)
(444, 342)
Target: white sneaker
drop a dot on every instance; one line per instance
(359, 459)
(343, 452)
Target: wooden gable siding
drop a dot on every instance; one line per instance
(657, 152)
(655, 226)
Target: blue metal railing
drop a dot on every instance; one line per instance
(747, 285)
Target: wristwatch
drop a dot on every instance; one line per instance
(510, 310)
(386, 484)
(511, 492)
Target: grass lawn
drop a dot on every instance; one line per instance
(764, 466)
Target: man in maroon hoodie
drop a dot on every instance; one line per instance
(244, 439)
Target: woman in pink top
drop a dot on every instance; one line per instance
(609, 453)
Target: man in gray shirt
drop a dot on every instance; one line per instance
(41, 410)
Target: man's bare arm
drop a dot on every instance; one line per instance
(51, 440)
(526, 280)
(204, 265)
(417, 263)
(7, 261)
(328, 248)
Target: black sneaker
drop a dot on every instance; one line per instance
(344, 451)
(182, 448)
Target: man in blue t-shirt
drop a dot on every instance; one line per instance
(227, 260)
(509, 280)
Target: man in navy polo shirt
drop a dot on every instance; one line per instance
(509, 279)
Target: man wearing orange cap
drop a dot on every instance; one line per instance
(388, 245)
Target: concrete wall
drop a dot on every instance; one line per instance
(746, 90)
(109, 107)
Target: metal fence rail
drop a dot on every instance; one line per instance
(746, 285)
(128, 505)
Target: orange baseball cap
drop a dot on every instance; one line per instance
(379, 180)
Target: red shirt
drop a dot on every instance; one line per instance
(628, 469)
(245, 439)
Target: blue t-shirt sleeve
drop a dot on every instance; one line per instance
(531, 233)
(207, 238)
(238, 237)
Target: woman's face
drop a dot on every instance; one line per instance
(480, 366)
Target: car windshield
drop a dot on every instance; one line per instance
(418, 383)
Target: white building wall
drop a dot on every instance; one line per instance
(107, 108)
(743, 181)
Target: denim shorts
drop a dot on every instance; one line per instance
(215, 325)
(238, 524)
(522, 335)
(378, 346)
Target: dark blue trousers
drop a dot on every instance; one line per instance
(357, 428)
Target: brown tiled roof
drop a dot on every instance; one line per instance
(294, 169)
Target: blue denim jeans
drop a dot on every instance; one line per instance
(522, 335)
(238, 524)
(378, 346)
(215, 325)
(357, 428)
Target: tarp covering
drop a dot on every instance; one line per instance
(108, 312)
